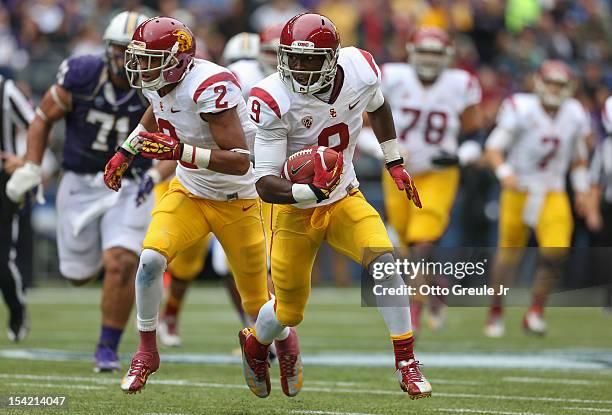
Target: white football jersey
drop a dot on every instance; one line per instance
(427, 119)
(542, 147)
(299, 120)
(248, 72)
(206, 88)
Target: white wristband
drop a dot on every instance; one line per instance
(303, 193)
(196, 155)
(390, 150)
(241, 151)
(468, 152)
(504, 170)
(580, 179)
(131, 143)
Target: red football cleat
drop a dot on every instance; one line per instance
(411, 379)
(290, 362)
(143, 365)
(256, 371)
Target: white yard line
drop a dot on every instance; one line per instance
(327, 413)
(163, 413)
(523, 398)
(174, 382)
(456, 382)
(602, 410)
(483, 411)
(443, 360)
(517, 379)
(56, 385)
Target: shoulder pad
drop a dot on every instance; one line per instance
(203, 88)
(392, 70)
(361, 63)
(269, 100)
(205, 74)
(80, 74)
(521, 102)
(579, 111)
(465, 85)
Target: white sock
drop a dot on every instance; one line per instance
(396, 317)
(149, 288)
(267, 326)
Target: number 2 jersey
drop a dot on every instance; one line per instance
(289, 121)
(427, 119)
(101, 116)
(542, 146)
(206, 88)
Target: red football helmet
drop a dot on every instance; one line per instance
(430, 50)
(554, 83)
(269, 39)
(309, 34)
(160, 53)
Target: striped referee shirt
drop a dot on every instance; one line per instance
(15, 112)
(601, 165)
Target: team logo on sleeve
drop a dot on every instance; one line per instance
(183, 39)
(307, 121)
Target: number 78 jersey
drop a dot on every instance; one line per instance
(428, 119)
(288, 121)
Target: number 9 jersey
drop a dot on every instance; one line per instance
(206, 88)
(289, 121)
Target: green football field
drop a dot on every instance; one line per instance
(347, 357)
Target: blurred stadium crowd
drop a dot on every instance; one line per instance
(502, 41)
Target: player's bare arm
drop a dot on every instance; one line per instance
(381, 120)
(274, 189)
(270, 150)
(232, 157)
(498, 141)
(470, 148)
(471, 121)
(148, 120)
(54, 105)
(579, 176)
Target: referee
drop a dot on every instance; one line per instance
(600, 221)
(15, 112)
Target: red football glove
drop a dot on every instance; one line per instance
(404, 182)
(159, 146)
(324, 182)
(115, 168)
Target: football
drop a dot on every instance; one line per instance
(299, 167)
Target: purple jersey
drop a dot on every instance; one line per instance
(101, 116)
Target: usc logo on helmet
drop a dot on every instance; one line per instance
(184, 40)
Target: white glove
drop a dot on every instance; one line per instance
(24, 179)
(469, 152)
